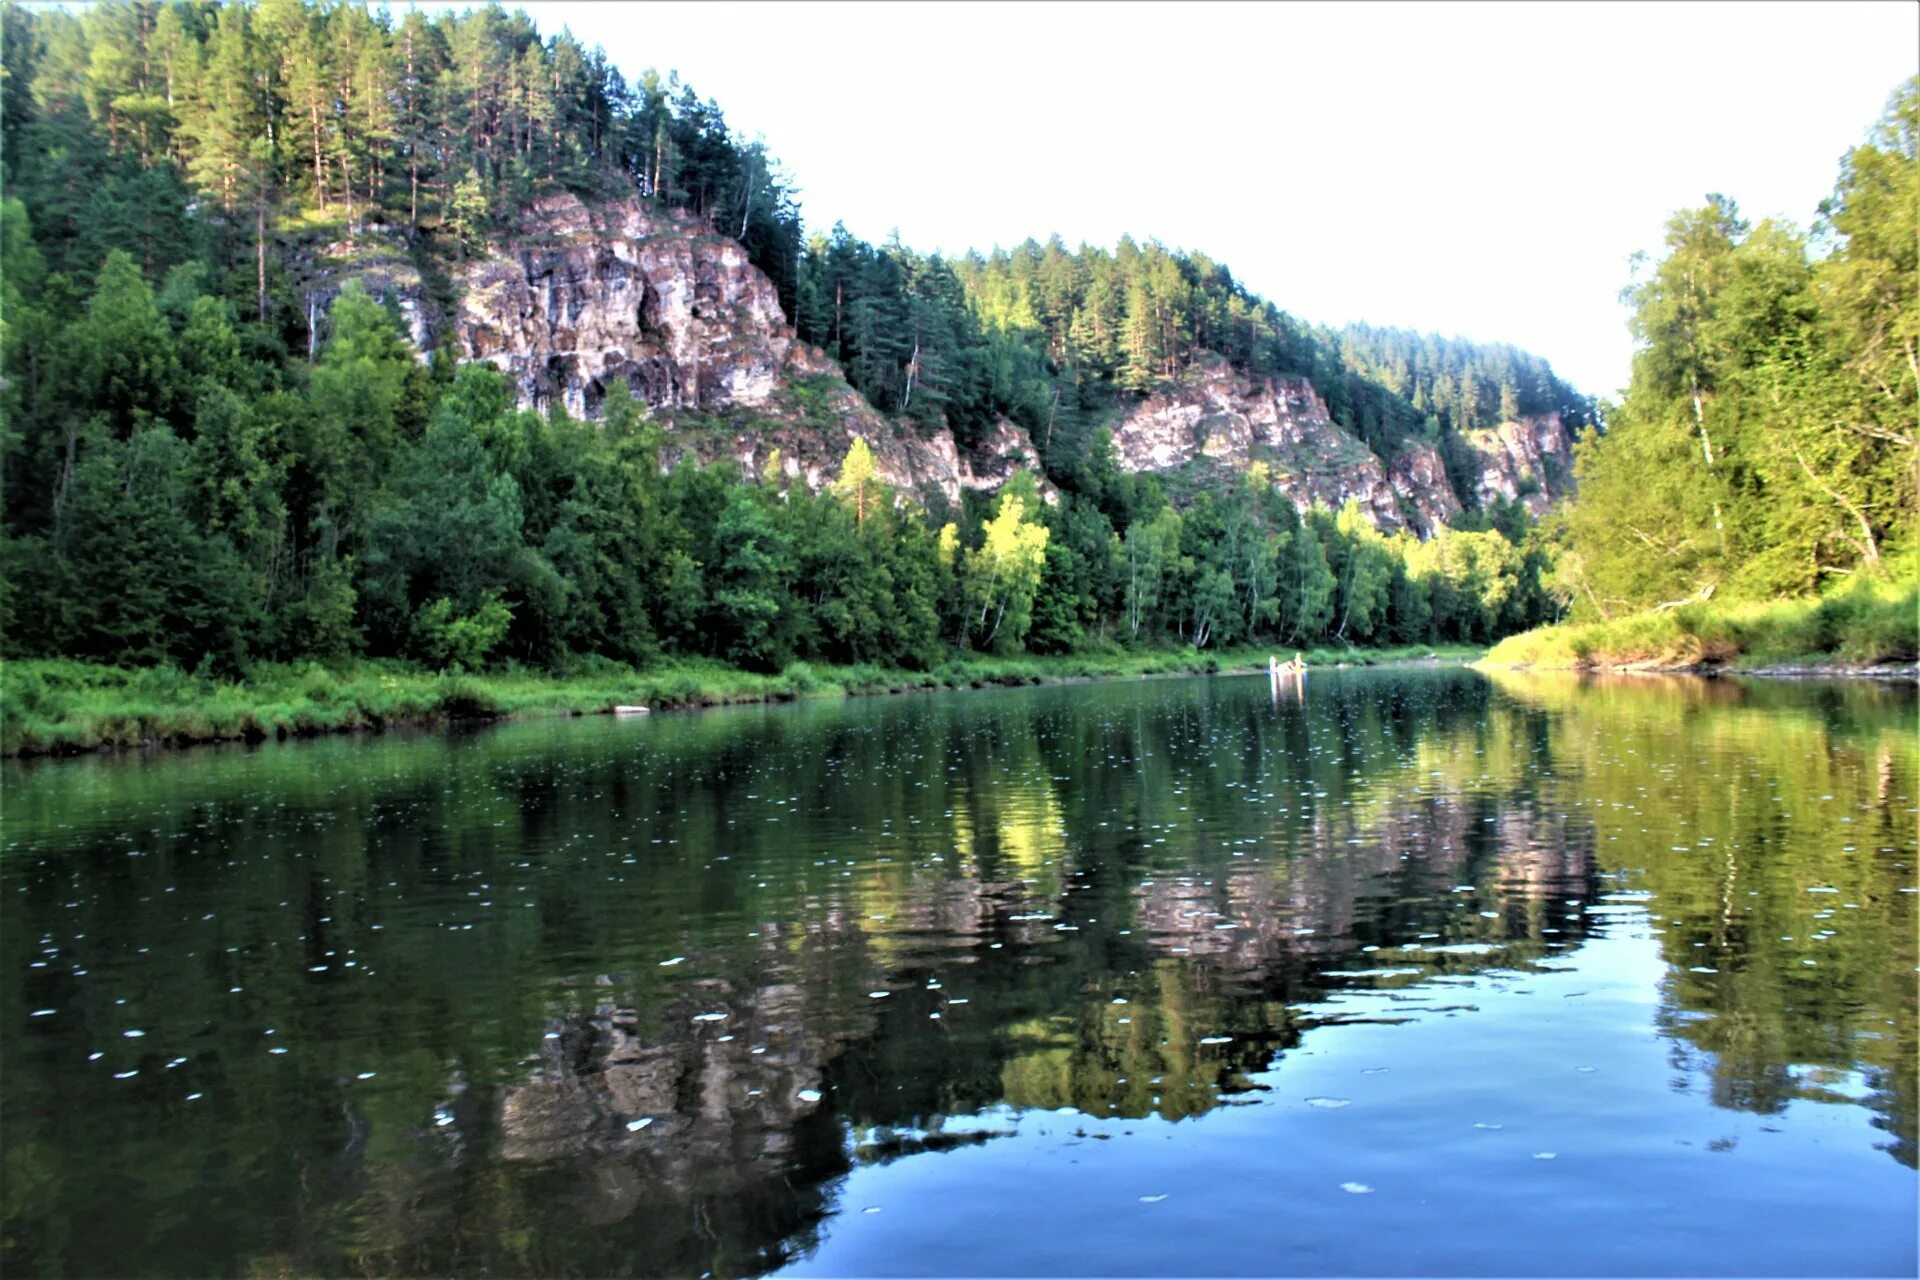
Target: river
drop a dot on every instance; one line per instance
(1416, 971)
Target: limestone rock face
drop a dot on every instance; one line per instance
(587, 294)
(579, 295)
(1419, 477)
(1218, 416)
(1531, 460)
(805, 428)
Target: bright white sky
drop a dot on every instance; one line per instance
(1483, 169)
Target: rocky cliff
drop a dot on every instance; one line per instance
(579, 295)
(1216, 417)
(1530, 460)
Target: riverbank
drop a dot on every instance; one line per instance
(1867, 629)
(54, 707)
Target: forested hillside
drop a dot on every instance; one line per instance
(1054, 338)
(199, 470)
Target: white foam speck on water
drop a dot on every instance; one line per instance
(1330, 1104)
(1356, 1188)
(1374, 1071)
(365, 1075)
(1544, 1155)
(126, 1075)
(133, 1035)
(709, 1017)
(195, 1097)
(43, 1013)
(878, 995)
(442, 1118)
(676, 960)
(808, 1095)
(96, 1056)
(1152, 1199)
(872, 1208)
(1216, 1039)
(635, 1126)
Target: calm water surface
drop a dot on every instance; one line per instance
(1416, 972)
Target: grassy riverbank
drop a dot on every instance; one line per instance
(50, 707)
(1862, 625)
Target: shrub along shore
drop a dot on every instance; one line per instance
(1863, 627)
(53, 707)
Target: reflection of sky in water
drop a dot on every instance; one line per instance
(1477, 1153)
(1415, 973)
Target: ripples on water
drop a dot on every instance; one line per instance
(1414, 972)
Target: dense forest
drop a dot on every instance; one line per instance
(1767, 445)
(187, 480)
(183, 484)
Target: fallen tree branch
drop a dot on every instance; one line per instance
(1703, 594)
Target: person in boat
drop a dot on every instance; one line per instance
(1296, 667)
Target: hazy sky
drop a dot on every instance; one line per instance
(1476, 169)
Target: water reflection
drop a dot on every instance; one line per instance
(638, 998)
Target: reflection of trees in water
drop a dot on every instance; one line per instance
(1775, 836)
(753, 1105)
(1113, 1024)
(891, 846)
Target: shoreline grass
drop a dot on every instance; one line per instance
(1863, 625)
(63, 707)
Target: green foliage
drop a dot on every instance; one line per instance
(53, 706)
(1053, 339)
(750, 596)
(1861, 621)
(1767, 442)
(1003, 574)
(194, 475)
(121, 117)
(460, 642)
(466, 220)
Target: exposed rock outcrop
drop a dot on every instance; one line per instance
(1530, 460)
(1215, 415)
(1419, 479)
(581, 295)
(584, 295)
